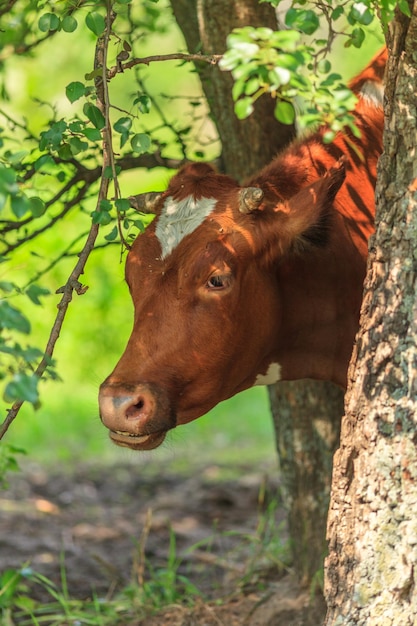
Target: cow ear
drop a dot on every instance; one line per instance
(308, 212)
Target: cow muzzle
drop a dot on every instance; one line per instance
(137, 416)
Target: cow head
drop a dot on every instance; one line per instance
(207, 302)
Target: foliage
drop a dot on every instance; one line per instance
(293, 65)
(8, 461)
(67, 165)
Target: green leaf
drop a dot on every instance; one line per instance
(279, 76)
(44, 161)
(144, 103)
(20, 205)
(404, 7)
(94, 74)
(69, 24)
(36, 206)
(357, 37)
(101, 217)
(141, 142)
(112, 236)
(13, 319)
(49, 22)
(7, 286)
(34, 292)
(93, 134)
(324, 66)
(305, 21)
(65, 152)
(8, 180)
(77, 146)
(53, 136)
(122, 204)
(337, 12)
(108, 171)
(105, 205)
(22, 387)
(252, 85)
(284, 112)
(95, 22)
(243, 108)
(360, 13)
(94, 114)
(75, 90)
(123, 125)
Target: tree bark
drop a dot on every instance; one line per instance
(372, 525)
(306, 414)
(247, 144)
(307, 423)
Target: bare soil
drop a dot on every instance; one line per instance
(113, 526)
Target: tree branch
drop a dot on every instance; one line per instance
(211, 59)
(73, 282)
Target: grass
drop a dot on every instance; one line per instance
(151, 589)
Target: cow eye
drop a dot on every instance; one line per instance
(218, 281)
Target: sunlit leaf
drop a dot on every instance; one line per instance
(243, 108)
(284, 112)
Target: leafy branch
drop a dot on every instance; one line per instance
(292, 65)
(73, 284)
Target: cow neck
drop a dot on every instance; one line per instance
(320, 296)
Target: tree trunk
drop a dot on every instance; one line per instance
(373, 514)
(307, 423)
(306, 413)
(247, 144)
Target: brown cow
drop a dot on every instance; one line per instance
(235, 287)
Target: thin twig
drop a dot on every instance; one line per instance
(212, 59)
(73, 283)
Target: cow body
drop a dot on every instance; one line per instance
(237, 286)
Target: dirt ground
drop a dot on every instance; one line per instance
(113, 526)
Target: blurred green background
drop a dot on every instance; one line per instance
(66, 428)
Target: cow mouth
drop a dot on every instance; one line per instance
(137, 442)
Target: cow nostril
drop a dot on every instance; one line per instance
(134, 411)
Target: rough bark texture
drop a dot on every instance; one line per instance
(373, 514)
(306, 413)
(307, 422)
(247, 144)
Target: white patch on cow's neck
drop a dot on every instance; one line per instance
(373, 91)
(272, 375)
(178, 219)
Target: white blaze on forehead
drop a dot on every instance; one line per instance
(272, 375)
(178, 219)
